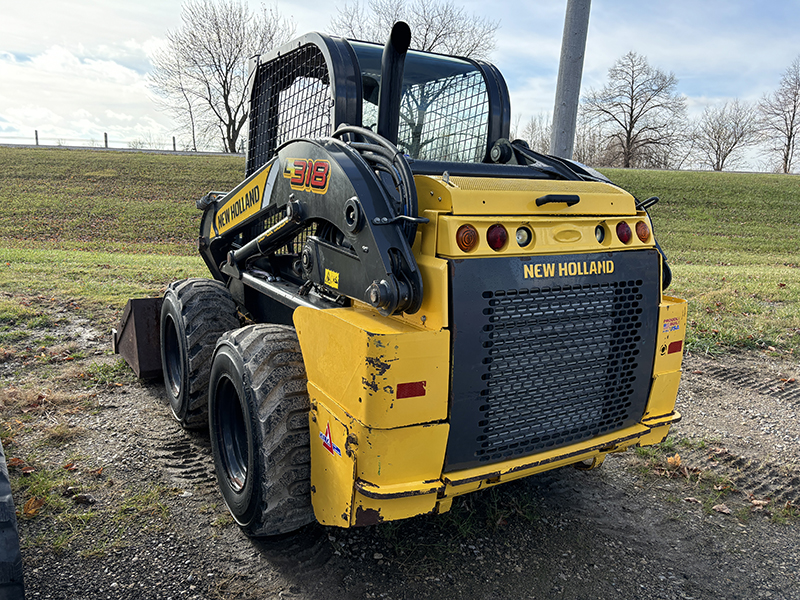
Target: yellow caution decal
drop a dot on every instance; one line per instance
(332, 279)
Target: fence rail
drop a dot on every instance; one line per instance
(146, 144)
(141, 144)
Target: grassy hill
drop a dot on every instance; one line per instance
(733, 240)
(99, 227)
(114, 201)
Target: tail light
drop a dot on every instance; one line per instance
(642, 231)
(624, 232)
(467, 238)
(497, 236)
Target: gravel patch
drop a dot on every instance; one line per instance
(639, 527)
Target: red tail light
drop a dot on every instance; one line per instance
(497, 236)
(624, 232)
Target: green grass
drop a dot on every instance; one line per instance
(93, 229)
(21, 315)
(96, 228)
(145, 507)
(717, 219)
(733, 242)
(113, 201)
(109, 374)
(97, 283)
(45, 484)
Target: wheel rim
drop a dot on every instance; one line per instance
(232, 435)
(172, 358)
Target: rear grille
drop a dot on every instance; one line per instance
(578, 345)
(540, 367)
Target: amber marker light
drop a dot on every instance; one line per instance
(467, 238)
(624, 232)
(642, 231)
(496, 236)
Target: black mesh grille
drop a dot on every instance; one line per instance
(560, 365)
(291, 99)
(543, 363)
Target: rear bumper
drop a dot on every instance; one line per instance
(363, 485)
(377, 455)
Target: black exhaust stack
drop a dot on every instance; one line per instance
(392, 64)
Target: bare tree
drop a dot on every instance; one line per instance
(641, 114)
(436, 26)
(723, 132)
(780, 118)
(200, 75)
(537, 133)
(590, 145)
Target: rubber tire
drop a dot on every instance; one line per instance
(195, 313)
(258, 421)
(12, 585)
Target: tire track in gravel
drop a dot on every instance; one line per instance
(743, 412)
(185, 459)
(785, 391)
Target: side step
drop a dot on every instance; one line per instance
(138, 338)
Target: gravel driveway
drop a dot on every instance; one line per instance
(713, 514)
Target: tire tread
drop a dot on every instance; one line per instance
(208, 311)
(275, 371)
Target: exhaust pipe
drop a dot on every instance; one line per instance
(392, 64)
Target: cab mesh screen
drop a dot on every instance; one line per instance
(445, 119)
(291, 99)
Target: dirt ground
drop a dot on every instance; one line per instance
(715, 513)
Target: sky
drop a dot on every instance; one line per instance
(74, 70)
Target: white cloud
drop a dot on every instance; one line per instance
(65, 96)
(113, 116)
(78, 68)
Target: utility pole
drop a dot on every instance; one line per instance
(570, 71)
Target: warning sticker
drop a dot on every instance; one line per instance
(673, 324)
(332, 279)
(327, 441)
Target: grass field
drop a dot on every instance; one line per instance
(95, 228)
(733, 241)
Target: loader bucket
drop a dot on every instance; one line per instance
(137, 338)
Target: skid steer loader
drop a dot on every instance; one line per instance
(406, 306)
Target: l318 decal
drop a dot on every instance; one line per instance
(307, 174)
